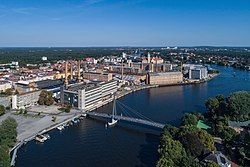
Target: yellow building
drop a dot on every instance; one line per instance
(98, 76)
(165, 78)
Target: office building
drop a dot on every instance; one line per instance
(27, 99)
(84, 96)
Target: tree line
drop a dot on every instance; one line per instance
(8, 136)
(182, 146)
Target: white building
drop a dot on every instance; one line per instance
(44, 58)
(86, 96)
(14, 63)
(198, 72)
(23, 100)
(4, 86)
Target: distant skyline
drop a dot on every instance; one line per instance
(84, 23)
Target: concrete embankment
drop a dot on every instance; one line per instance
(23, 142)
(191, 83)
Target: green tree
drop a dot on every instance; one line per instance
(212, 104)
(225, 132)
(46, 98)
(239, 106)
(8, 136)
(220, 98)
(165, 162)
(188, 161)
(170, 130)
(212, 164)
(192, 144)
(4, 156)
(189, 119)
(2, 110)
(170, 151)
(207, 140)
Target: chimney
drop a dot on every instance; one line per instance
(78, 71)
(129, 64)
(152, 67)
(148, 57)
(164, 67)
(66, 74)
(71, 70)
(147, 79)
(142, 67)
(156, 66)
(122, 70)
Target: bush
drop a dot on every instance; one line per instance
(2, 110)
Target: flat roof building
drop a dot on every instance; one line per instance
(26, 99)
(84, 96)
(164, 78)
(96, 76)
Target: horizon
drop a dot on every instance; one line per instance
(198, 46)
(113, 23)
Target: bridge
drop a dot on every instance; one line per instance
(140, 119)
(125, 118)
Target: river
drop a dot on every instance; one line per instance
(90, 144)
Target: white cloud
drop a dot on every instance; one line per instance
(55, 19)
(28, 10)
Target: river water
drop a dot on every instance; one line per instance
(90, 144)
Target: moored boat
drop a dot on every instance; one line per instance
(60, 128)
(113, 122)
(40, 138)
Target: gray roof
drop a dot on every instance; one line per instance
(217, 157)
(164, 73)
(238, 124)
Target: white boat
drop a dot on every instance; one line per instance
(113, 122)
(46, 136)
(84, 115)
(40, 138)
(60, 128)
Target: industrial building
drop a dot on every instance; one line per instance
(164, 78)
(83, 95)
(95, 76)
(26, 99)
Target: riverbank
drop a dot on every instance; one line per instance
(35, 133)
(194, 82)
(77, 113)
(28, 133)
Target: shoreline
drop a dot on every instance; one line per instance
(18, 145)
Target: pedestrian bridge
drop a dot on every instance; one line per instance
(127, 114)
(125, 118)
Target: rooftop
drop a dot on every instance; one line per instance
(165, 73)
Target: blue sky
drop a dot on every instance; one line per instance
(124, 22)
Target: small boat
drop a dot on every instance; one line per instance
(113, 122)
(60, 128)
(84, 115)
(40, 138)
(46, 136)
(75, 121)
